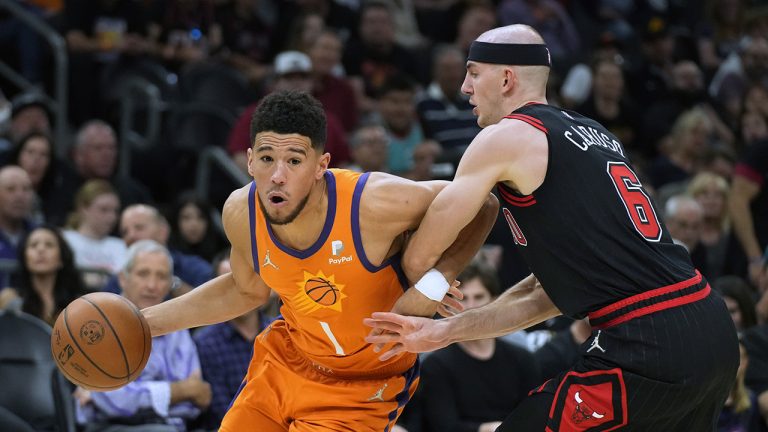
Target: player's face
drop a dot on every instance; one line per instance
(475, 294)
(42, 252)
(483, 85)
(285, 168)
(149, 280)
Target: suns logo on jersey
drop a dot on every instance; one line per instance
(318, 291)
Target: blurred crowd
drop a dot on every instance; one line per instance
(683, 84)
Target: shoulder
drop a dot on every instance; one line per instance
(389, 194)
(236, 207)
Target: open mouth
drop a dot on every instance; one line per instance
(276, 198)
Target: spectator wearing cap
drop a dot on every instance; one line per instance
(653, 78)
(29, 113)
(292, 72)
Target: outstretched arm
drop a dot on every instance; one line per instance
(520, 307)
(223, 298)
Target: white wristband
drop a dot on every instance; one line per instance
(433, 285)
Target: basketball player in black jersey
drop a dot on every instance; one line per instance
(663, 353)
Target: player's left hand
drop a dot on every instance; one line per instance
(408, 334)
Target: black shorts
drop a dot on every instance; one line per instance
(668, 370)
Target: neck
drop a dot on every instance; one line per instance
(11, 226)
(43, 284)
(520, 102)
(481, 349)
(89, 232)
(306, 228)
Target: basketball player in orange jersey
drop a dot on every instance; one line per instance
(329, 243)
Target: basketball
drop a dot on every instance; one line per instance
(321, 291)
(101, 341)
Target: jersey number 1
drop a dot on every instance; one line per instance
(636, 201)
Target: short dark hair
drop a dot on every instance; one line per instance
(398, 82)
(485, 272)
(288, 112)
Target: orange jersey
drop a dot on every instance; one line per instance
(330, 287)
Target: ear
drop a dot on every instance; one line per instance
(509, 79)
(123, 280)
(322, 165)
(249, 154)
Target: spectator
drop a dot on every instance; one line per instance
(444, 111)
(737, 295)
(47, 279)
(169, 391)
(29, 113)
(249, 33)
(16, 199)
(610, 105)
(477, 18)
(370, 151)
(335, 93)
(684, 218)
(144, 222)
(684, 151)
(225, 352)
(473, 385)
(192, 229)
(292, 72)
(96, 251)
(375, 56)
(35, 154)
(748, 204)
(397, 105)
(424, 167)
(185, 31)
(550, 19)
(95, 157)
(744, 68)
(740, 412)
(723, 254)
(651, 80)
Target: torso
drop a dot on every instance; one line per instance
(589, 231)
(328, 287)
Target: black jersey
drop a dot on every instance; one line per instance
(590, 233)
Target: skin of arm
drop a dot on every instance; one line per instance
(225, 297)
(743, 191)
(397, 205)
(520, 307)
(524, 164)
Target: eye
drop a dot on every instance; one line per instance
(266, 159)
(294, 161)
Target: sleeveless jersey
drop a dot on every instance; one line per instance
(590, 233)
(330, 287)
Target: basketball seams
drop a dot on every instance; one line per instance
(146, 332)
(117, 338)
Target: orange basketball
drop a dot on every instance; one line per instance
(101, 341)
(321, 291)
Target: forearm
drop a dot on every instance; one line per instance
(215, 301)
(520, 307)
(744, 227)
(469, 241)
(434, 238)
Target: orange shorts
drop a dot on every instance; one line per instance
(284, 392)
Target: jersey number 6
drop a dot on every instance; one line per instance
(636, 201)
